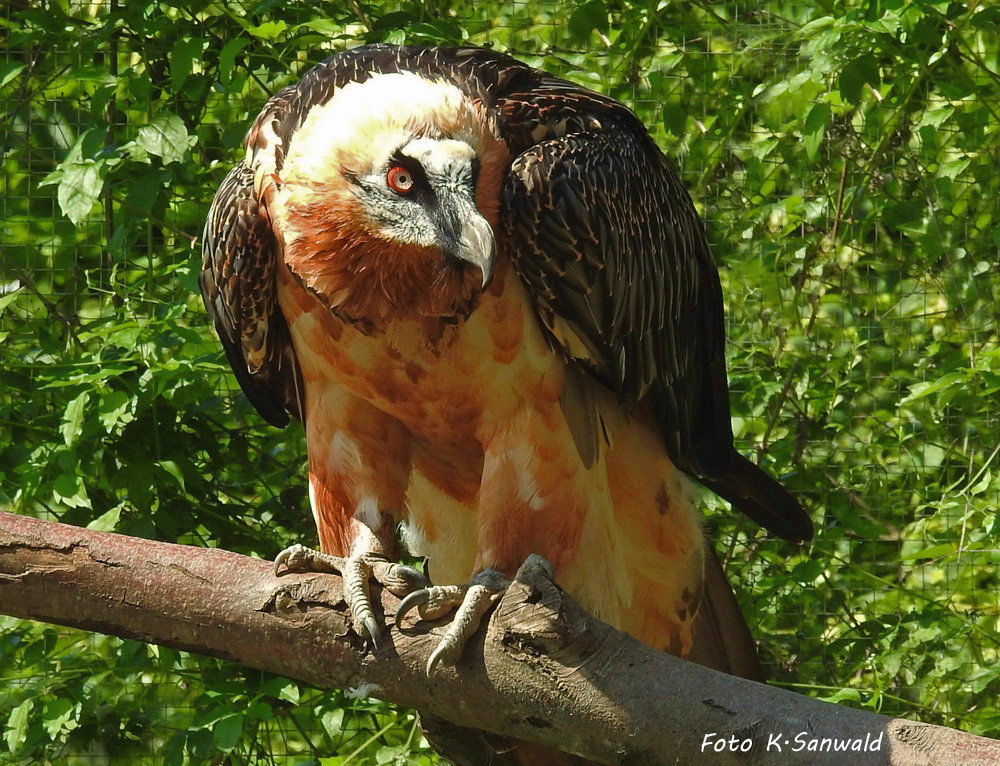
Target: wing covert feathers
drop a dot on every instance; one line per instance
(607, 241)
(240, 292)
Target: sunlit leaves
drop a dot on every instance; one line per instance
(80, 177)
(73, 418)
(15, 732)
(166, 137)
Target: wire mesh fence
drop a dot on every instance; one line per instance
(844, 163)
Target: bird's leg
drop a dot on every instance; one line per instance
(359, 466)
(356, 570)
(474, 600)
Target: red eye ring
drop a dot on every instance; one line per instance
(400, 179)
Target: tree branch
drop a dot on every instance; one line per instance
(543, 670)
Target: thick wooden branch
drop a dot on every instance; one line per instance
(543, 670)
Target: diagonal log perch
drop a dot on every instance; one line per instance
(544, 670)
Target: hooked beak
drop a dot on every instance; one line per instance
(465, 235)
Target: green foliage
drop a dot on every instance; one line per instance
(844, 156)
(117, 701)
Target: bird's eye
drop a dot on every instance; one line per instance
(400, 179)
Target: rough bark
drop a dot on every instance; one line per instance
(543, 670)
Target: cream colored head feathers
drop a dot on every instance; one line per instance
(364, 121)
(367, 246)
(357, 130)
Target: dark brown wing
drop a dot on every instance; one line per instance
(606, 239)
(238, 285)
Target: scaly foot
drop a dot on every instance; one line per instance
(356, 570)
(473, 599)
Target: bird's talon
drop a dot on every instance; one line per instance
(374, 631)
(474, 600)
(400, 579)
(356, 571)
(436, 657)
(293, 557)
(413, 601)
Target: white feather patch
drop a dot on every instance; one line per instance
(368, 512)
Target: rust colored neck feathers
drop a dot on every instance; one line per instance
(368, 279)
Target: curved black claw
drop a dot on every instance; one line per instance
(412, 575)
(374, 631)
(415, 600)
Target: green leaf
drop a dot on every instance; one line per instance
(933, 552)
(9, 71)
(283, 689)
(10, 293)
(261, 711)
(125, 335)
(807, 572)
(146, 190)
(854, 521)
(674, 118)
(982, 485)
(72, 425)
(815, 128)
(587, 18)
(269, 30)
(80, 186)
(69, 488)
(108, 520)
(844, 695)
(59, 717)
(116, 409)
(172, 469)
(166, 137)
(391, 754)
(924, 389)
(185, 52)
(173, 751)
(326, 27)
(333, 722)
(226, 732)
(227, 59)
(17, 725)
(855, 75)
